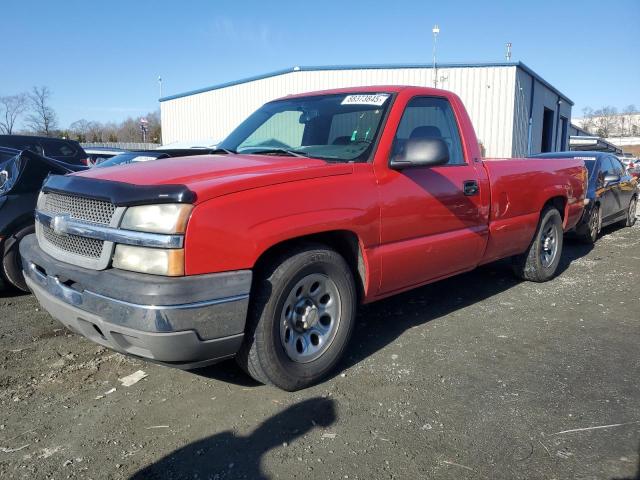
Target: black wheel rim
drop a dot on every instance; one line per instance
(549, 244)
(594, 223)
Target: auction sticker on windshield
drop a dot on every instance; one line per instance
(377, 99)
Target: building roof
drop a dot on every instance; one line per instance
(369, 67)
(592, 143)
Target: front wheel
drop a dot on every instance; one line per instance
(540, 262)
(11, 262)
(301, 318)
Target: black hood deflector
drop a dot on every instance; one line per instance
(119, 193)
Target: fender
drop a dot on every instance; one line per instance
(232, 232)
(16, 212)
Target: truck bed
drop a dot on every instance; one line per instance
(519, 189)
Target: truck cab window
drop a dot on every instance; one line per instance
(430, 117)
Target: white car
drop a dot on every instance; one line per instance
(207, 143)
(97, 155)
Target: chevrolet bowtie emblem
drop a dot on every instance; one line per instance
(58, 223)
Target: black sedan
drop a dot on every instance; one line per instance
(60, 149)
(612, 194)
(21, 176)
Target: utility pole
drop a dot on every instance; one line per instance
(435, 31)
(507, 53)
(160, 85)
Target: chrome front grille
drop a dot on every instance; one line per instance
(85, 209)
(77, 250)
(85, 247)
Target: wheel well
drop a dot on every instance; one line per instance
(559, 203)
(344, 242)
(7, 239)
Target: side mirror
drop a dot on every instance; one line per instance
(421, 152)
(609, 179)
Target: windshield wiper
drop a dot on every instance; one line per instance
(221, 150)
(266, 151)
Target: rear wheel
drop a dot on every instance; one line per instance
(11, 262)
(589, 232)
(631, 213)
(301, 318)
(540, 262)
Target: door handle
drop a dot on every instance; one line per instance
(470, 188)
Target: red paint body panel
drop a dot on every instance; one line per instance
(413, 226)
(519, 190)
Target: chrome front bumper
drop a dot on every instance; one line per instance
(187, 331)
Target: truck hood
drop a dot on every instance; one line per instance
(209, 176)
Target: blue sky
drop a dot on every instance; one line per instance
(102, 59)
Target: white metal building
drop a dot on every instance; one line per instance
(513, 109)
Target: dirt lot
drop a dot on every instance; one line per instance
(475, 377)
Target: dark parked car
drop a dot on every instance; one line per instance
(148, 155)
(612, 195)
(21, 176)
(67, 151)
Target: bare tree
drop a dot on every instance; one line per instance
(588, 120)
(606, 121)
(11, 107)
(42, 119)
(80, 129)
(155, 128)
(126, 131)
(629, 120)
(129, 131)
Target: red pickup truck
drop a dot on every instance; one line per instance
(263, 250)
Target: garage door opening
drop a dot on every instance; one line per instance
(547, 131)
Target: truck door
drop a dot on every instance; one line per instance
(434, 220)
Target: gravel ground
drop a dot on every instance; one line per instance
(478, 376)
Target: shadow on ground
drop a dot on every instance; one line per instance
(227, 455)
(380, 323)
(227, 371)
(7, 291)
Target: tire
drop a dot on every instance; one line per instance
(630, 221)
(11, 261)
(287, 310)
(540, 262)
(589, 233)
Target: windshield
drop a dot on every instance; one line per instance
(340, 127)
(131, 157)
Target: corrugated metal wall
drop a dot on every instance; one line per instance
(488, 93)
(543, 98)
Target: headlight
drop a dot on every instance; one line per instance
(164, 218)
(155, 261)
